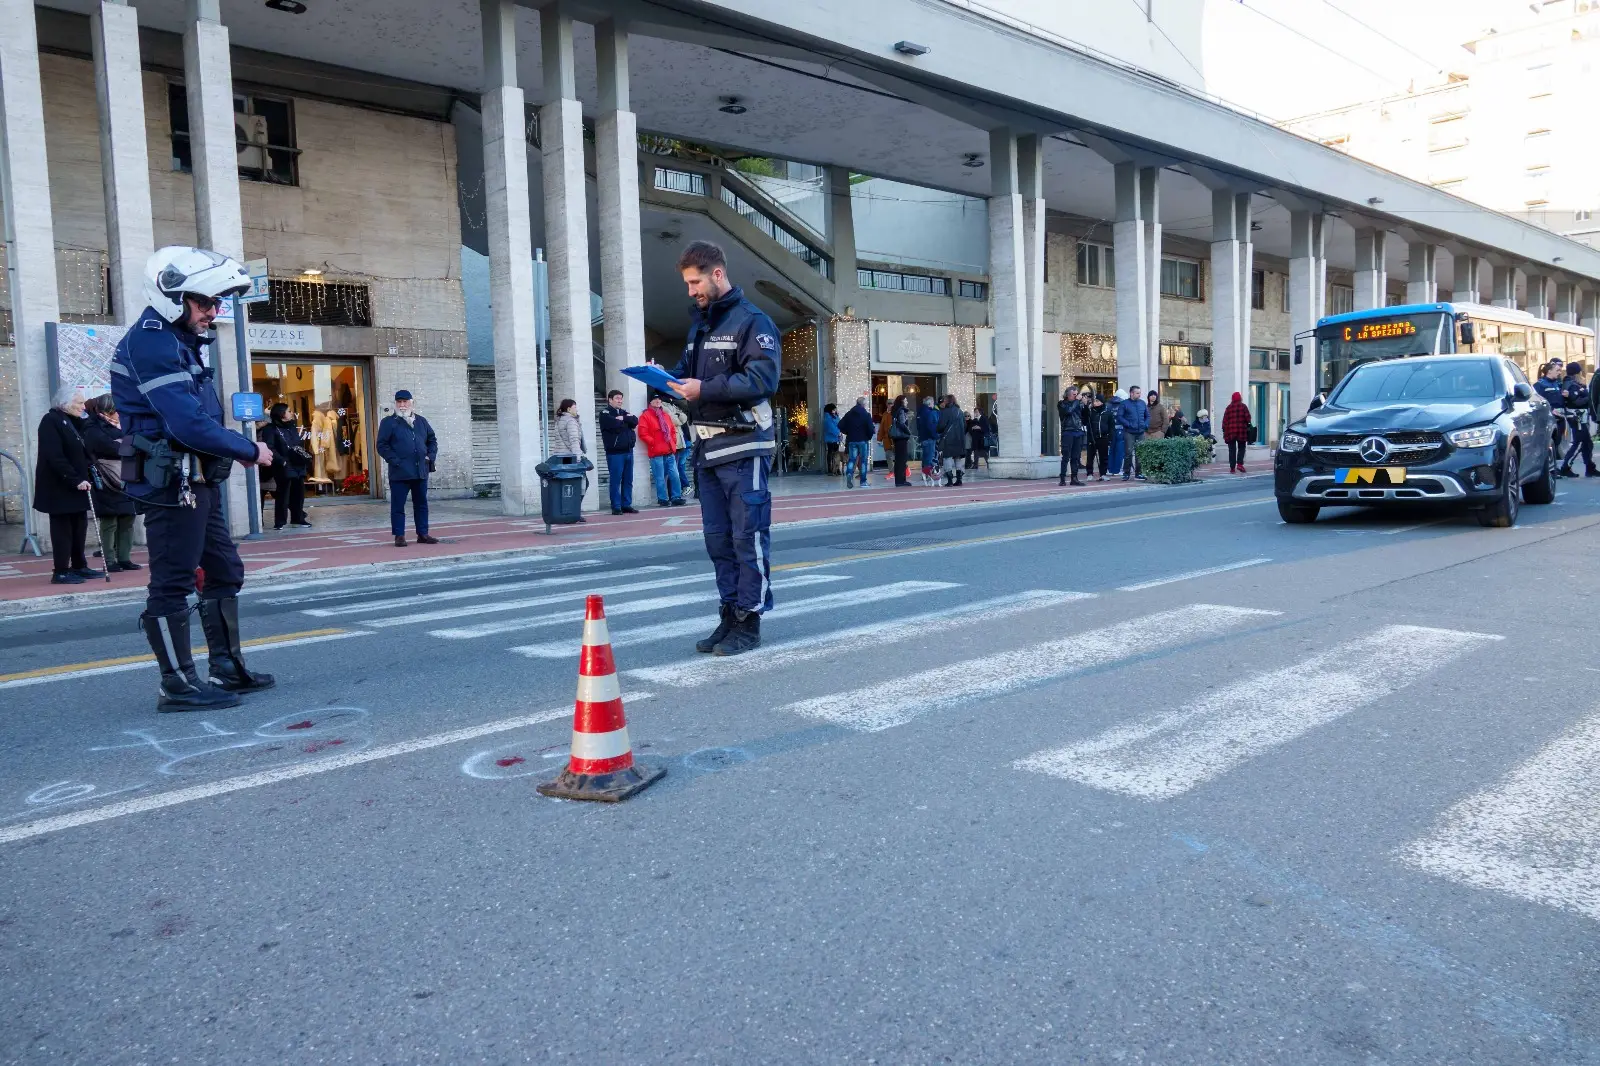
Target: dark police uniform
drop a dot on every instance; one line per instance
(164, 392)
(733, 350)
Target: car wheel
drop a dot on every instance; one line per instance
(1502, 513)
(1297, 514)
(1543, 488)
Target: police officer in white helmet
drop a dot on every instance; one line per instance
(176, 455)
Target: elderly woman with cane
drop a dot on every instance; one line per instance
(112, 508)
(61, 486)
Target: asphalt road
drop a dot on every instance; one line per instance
(1149, 779)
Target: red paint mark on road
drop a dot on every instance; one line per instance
(510, 762)
(316, 746)
(307, 724)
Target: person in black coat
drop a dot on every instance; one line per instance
(61, 486)
(102, 434)
(291, 462)
(1099, 424)
(1071, 411)
(409, 448)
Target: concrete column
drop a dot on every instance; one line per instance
(29, 232)
(1372, 271)
(1030, 178)
(1008, 288)
(1232, 254)
(1422, 284)
(566, 226)
(1538, 295)
(1470, 274)
(1504, 286)
(840, 223)
(1150, 211)
(616, 139)
(519, 406)
(1589, 315)
(1136, 235)
(124, 160)
(1566, 303)
(219, 219)
(1307, 271)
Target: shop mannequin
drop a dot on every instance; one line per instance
(322, 447)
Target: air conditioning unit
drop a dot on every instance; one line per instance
(250, 133)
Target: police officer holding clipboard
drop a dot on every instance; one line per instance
(176, 454)
(728, 376)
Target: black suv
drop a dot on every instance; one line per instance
(1453, 428)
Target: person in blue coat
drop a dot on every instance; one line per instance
(176, 456)
(408, 446)
(1133, 418)
(729, 373)
(831, 435)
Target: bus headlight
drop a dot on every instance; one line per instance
(1291, 442)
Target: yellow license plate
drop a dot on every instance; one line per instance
(1370, 475)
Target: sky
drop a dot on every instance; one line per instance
(1286, 58)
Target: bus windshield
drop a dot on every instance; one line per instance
(1346, 345)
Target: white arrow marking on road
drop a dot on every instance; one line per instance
(887, 704)
(1535, 835)
(537, 601)
(1168, 755)
(1191, 574)
(279, 564)
(339, 588)
(676, 521)
(467, 594)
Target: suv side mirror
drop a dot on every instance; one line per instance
(1522, 392)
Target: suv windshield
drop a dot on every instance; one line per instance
(1419, 381)
(1346, 345)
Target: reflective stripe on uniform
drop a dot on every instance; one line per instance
(180, 377)
(118, 368)
(754, 446)
(722, 346)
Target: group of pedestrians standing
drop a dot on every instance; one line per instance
(1101, 432)
(78, 474)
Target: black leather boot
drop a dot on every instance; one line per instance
(958, 479)
(709, 644)
(220, 620)
(181, 688)
(745, 634)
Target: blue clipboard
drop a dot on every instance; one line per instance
(652, 375)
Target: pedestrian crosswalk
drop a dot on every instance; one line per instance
(1534, 836)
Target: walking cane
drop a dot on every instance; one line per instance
(94, 516)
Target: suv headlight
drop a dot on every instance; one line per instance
(1291, 442)
(1474, 437)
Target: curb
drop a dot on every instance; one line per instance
(116, 597)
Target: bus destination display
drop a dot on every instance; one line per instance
(1377, 331)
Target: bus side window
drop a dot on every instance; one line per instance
(1488, 337)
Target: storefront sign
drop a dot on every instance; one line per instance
(269, 337)
(902, 346)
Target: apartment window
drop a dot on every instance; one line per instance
(684, 181)
(1258, 290)
(313, 303)
(1583, 214)
(972, 290)
(1341, 299)
(1269, 359)
(1541, 80)
(1447, 133)
(263, 129)
(1186, 355)
(893, 281)
(1283, 296)
(1096, 265)
(1395, 299)
(1180, 278)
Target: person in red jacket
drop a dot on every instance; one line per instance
(1236, 432)
(661, 443)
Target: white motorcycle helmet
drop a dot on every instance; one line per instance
(178, 269)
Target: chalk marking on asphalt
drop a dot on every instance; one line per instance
(684, 627)
(904, 699)
(448, 595)
(445, 613)
(46, 674)
(1535, 835)
(703, 669)
(369, 586)
(1167, 755)
(1028, 534)
(1190, 575)
(284, 773)
(510, 625)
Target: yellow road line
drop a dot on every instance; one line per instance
(1021, 534)
(48, 671)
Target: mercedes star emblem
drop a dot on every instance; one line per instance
(1374, 449)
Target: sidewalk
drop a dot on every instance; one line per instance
(357, 534)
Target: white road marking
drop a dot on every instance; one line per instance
(146, 664)
(422, 598)
(510, 625)
(401, 579)
(563, 596)
(564, 649)
(278, 564)
(1535, 835)
(704, 669)
(1167, 755)
(903, 699)
(1191, 574)
(283, 773)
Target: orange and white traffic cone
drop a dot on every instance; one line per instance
(601, 765)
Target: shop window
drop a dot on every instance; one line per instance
(263, 129)
(1186, 355)
(310, 303)
(1258, 290)
(1096, 265)
(329, 402)
(1180, 278)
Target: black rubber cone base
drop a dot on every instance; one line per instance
(606, 788)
